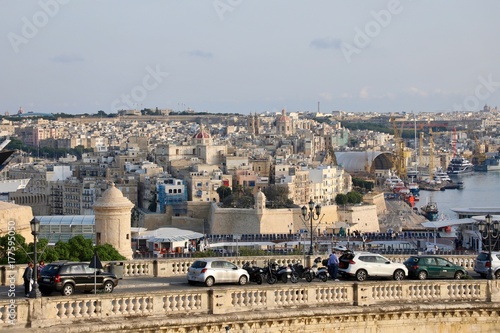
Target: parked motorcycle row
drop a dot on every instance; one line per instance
(272, 272)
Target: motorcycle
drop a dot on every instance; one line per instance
(320, 273)
(300, 270)
(270, 273)
(256, 273)
(285, 273)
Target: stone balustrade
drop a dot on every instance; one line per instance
(169, 267)
(226, 300)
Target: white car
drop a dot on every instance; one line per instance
(363, 265)
(212, 270)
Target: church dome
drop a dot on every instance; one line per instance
(201, 135)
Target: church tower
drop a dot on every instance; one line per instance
(112, 221)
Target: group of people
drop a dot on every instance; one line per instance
(29, 276)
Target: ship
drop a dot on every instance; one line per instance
(459, 166)
(430, 211)
(490, 164)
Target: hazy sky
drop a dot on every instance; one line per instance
(249, 55)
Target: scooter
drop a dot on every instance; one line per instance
(256, 273)
(320, 273)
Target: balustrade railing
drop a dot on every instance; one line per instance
(49, 311)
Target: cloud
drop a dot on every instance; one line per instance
(326, 43)
(67, 58)
(419, 92)
(201, 54)
(363, 93)
(326, 96)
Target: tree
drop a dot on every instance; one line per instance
(108, 253)
(277, 196)
(81, 248)
(13, 249)
(224, 192)
(354, 197)
(341, 199)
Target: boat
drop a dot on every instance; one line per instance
(453, 186)
(392, 181)
(459, 166)
(414, 188)
(441, 177)
(430, 211)
(490, 164)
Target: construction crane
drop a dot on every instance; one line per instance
(399, 155)
(420, 150)
(431, 156)
(479, 156)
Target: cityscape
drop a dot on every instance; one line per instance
(249, 166)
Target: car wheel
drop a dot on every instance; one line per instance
(68, 289)
(398, 275)
(108, 287)
(361, 275)
(497, 275)
(243, 280)
(483, 275)
(422, 275)
(209, 281)
(323, 277)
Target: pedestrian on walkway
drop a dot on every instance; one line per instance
(333, 265)
(28, 279)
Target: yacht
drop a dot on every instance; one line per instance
(441, 177)
(459, 166)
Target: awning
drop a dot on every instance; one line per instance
(445, 223)
(167, 235)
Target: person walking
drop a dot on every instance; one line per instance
(333, 265)
(28, 278)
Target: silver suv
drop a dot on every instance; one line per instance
(362, 265)
(483, 264)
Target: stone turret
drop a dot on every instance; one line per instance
(112, 221)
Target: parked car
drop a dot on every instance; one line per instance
(363, 265)
(214, 270)
(432, 267)
(484, 262)
(66, 277)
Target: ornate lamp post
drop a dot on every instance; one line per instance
(313, 214)
(490, 231)
(35, 230)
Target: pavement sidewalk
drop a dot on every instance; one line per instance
(138, 282)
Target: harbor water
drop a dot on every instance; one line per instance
(481, 189)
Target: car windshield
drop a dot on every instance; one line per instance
(199, 264)
(50, 270)
(483, 256)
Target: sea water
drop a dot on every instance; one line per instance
(481, 189)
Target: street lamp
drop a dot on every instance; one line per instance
(35, 230)
(290, 227)
(489, 230)
(314, 210)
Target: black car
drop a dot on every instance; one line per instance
(66, 277)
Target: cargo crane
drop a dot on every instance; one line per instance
(399, 155)
(431, 156)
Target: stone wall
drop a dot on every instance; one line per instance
(18, 217)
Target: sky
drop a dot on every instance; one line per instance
(249, 56)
